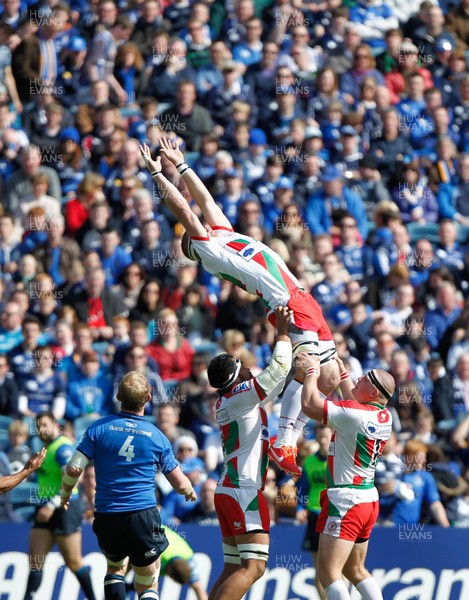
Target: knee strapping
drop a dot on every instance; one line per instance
(145, 579)
(231, 554)
(254, 551)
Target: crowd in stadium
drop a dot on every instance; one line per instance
(338, 133)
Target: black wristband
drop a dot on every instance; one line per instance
(180, 164)
(155, 173)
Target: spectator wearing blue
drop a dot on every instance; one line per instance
(364, 65)
(349, 155)
(415, 200)
(449, 251)
(255, 162)
(42, 390)
(72, 166)
(368, 185)
(330, 291)
(453, 200)
(422, 262)
(21, 357)
(350, 251)
(10, 250)
(423, 138)
(264, 187)
(114, 257)
(219, 99)
(333, 196)
(288, 109)
(90, 394)
(283, 196)
(374, 18)
(70, 76)
(166, 77)
(413, 104)
(10, 326)
(152, 253)
(391, 147)
(446, 312)
(234, 194)
(249, 52)
(264, 85)
(424, 487)
(340, 313)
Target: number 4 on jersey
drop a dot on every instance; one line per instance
(127, 449)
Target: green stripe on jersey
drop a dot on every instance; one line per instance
(232, 439)
(232, 473)
(363, 451)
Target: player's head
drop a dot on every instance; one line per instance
(133, 392)
(376, 386)
(179, 570)
(187, 247)
(47, 427)
(225, 371)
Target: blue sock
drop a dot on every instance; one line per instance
(34, 581)
(83, 576)
(114, 587)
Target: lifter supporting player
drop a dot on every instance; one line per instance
(256, 268)
(349, 505)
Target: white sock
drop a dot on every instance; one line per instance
(298, 427)
(337, 591)
(369, 589)
(291, 407)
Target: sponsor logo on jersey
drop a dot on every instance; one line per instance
(129, 424)
(151, 552)
(237, 524)
(376, 431)
(242, 387)
(250, 251)
(222, 415)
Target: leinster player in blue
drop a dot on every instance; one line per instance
(127, 452)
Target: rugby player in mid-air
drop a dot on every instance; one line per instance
(256, 268)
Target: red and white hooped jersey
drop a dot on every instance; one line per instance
(243, 422)
(360, 434)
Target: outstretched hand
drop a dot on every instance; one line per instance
(305, 361)
(283, 317)
(36, 460)
(152, 165)
(171, 151)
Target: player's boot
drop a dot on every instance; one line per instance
(284, 458)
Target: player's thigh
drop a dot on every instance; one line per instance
(333, 555)
(70, 549)
(355, 564)
(112, 533)
(329, 377)
(146, 537)
(40, 544)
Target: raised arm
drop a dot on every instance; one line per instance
(175, 201)
(10, 481)
(270, 382)
(346, 384)
(211, 211)
(312, 403)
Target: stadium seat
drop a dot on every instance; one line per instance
(4, 424)
(23, 494)
(418, 231)
(463, 234)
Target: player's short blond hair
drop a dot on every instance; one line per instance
(133, 391)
